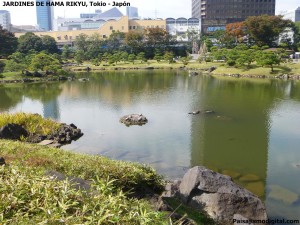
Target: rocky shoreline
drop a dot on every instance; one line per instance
(65, 134)
(192, 72)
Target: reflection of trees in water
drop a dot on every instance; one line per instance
(9, 97)
(12, 94)
(120, 88)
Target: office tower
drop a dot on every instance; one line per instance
(5, 21)
(44, 15)
(132, 12)
(215, 14)
(297, 14)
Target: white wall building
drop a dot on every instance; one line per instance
(182, 28)
(5, 20)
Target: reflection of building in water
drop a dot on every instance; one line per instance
(51, 109)
(234, 141)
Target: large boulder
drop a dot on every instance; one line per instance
(219, 196)
(13, 131)
(134, 119)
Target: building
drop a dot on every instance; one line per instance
(24, 28)
(132, 12)
(297, 14)
(5, 20)
(293, 15)
(44, 15)
(90, 15)
(215, 14)
(123, 25)
(183, 28)
(87, 21)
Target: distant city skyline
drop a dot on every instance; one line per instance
(26, 15)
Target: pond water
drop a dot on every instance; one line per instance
(253, 136)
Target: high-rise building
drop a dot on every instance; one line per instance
(5, 21)
(44, 15)
(215, 14)
(132, 12)
(297, 14)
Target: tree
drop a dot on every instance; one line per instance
(158, 38)
(158, 55)
(169, 56)
(268, 58)
(30, 41)
(264, 30)
(81, 43)
(131, 58)
(134, 39)
(79, 56)
(49, 44)
(43, 61)
(8, 42)
(236, 30)
(141, 56)
(66, 52)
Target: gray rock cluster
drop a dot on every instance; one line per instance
(216, 195)
(65, 134)
(134, 119)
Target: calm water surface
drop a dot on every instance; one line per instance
(254, 136)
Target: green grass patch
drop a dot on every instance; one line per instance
(29, 197)
(33, 123)
(129, 176)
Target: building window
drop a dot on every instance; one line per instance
(122, 27)
(130, 27)
(59, 38)
(103, 36)
(111, 28)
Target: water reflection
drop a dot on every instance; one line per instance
(250, 137)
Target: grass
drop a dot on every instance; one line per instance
(28, 196)
(33, 123)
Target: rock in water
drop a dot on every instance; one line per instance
(134, 119)
(219, 196)
(13, 131)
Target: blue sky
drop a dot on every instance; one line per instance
(147, 8)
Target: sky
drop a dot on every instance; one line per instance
(26, 15)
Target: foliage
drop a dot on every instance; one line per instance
(131, 58)
(30, 41)
(268, 58)
(141, 56)
(8, 42)
(30, 197)
(49, 44)
(43, 61)
(264, 30)
(237, 30)
(79, 56)
(66, 52)
(134, 40)
(169, 56)
(33, 123)
(185, 60)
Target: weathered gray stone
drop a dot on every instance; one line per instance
(13, 131)
(134, 119)
(46, 142)
(219, 196)
(78, 183)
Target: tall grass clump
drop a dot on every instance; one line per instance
(33, 123)
(29, 197)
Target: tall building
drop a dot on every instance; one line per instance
(293, 15)
(215, 14)
(5, 21)
(297, 14)
(44, 15)
(132, 12)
